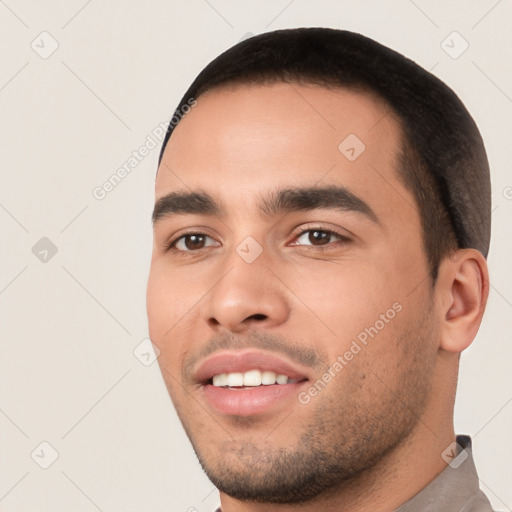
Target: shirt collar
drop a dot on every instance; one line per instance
(456, 488)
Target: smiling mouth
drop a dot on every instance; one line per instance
(250, 379)
(249, 382)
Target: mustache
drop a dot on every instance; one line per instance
(276, 344)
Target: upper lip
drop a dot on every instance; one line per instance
(243, 361)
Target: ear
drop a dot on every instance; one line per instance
(463, 288)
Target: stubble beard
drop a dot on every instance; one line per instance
(347, 434)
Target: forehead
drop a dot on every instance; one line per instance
(250, 138)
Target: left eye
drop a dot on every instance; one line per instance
(317, 237)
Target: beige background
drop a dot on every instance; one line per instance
(69, 324)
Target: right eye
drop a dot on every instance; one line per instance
(190, 242)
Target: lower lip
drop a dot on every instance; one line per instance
(250, 401)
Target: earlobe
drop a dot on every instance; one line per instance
(465, 282)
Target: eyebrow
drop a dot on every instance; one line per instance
(281, 200)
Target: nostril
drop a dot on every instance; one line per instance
(258, 316)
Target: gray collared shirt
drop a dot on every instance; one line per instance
(455, 489)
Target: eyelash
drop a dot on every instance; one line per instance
(343, 239)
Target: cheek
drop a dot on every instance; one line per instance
(168, 299)
(379, 360)
(156, 303)
(348, 296)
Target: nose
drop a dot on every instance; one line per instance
(247, 295)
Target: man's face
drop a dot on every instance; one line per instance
(329, 289)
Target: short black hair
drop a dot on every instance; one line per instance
(442, 159)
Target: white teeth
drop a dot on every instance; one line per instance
(268, 378)
(220, 380)
(251, 378)
(282, 379)
(235, 379)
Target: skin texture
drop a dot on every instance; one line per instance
(376, 432)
